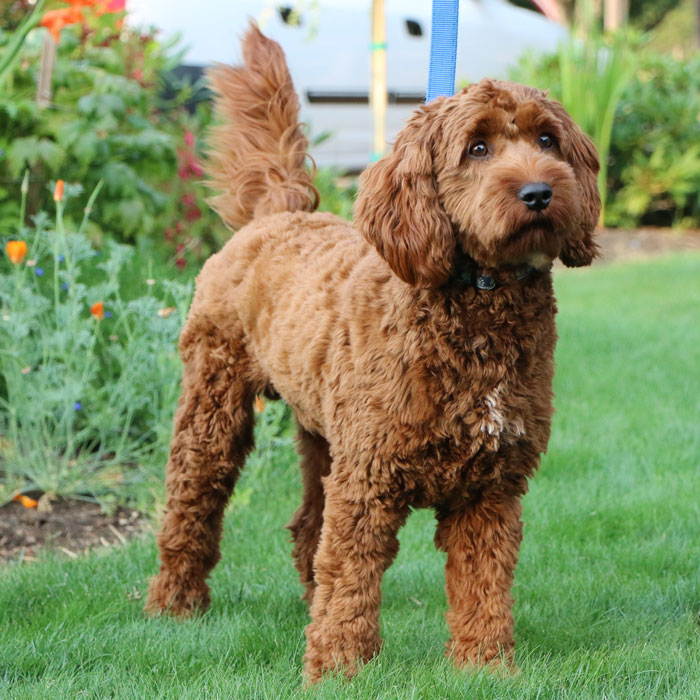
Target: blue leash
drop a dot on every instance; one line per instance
(443, 49)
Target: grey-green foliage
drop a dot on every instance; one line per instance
(84, 402)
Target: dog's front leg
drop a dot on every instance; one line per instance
(482, 541)
(358, 543)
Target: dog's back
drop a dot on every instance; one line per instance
(257, 161)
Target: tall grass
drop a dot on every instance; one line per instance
(594, 74)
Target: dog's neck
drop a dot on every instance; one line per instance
(467, 272)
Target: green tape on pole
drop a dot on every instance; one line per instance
(377, 46)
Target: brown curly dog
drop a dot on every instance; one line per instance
(415, 347)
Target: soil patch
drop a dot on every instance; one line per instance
(618, 245)
(71, 528)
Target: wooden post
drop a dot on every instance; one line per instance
(615, 14)
(46, 63)
(378, 96)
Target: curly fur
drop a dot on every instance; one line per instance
(410, 389)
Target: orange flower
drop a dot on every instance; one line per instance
(26, 501)
(98, 310)
(16, 250)
(58, 192)
(55, 20)
(259, 404)
(164, 313)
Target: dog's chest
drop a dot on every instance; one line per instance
(490, 390)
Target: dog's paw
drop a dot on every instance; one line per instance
(496, 658)
(336, 653)
(170, 596)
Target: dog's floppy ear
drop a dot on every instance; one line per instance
(398, 211)
(579, 248)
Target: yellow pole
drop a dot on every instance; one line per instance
(378, 98)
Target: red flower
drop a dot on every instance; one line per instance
(189, 138)
(181, 262)
(193, 213)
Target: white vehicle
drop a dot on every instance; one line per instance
(327, 43)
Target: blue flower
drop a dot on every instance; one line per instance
(39, 271)
(64, 286)
(61, 258)
(77, 406)
(108, 314)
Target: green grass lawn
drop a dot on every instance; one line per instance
(607, 589)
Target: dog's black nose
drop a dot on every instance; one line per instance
(536, 195)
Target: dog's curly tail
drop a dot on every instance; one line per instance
(257, 160)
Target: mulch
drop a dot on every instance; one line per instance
(74, 527)
(70, 528)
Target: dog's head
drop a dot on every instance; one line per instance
(498, 169)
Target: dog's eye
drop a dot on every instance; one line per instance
(478, 150)
(546, 141)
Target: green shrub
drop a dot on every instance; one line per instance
(655, 153)
(88, 377)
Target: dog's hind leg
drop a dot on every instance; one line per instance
(306, 524)
(213, 433)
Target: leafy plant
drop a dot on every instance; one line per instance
(109, 120)
(655, 164)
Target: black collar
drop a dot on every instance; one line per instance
(466, 273)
